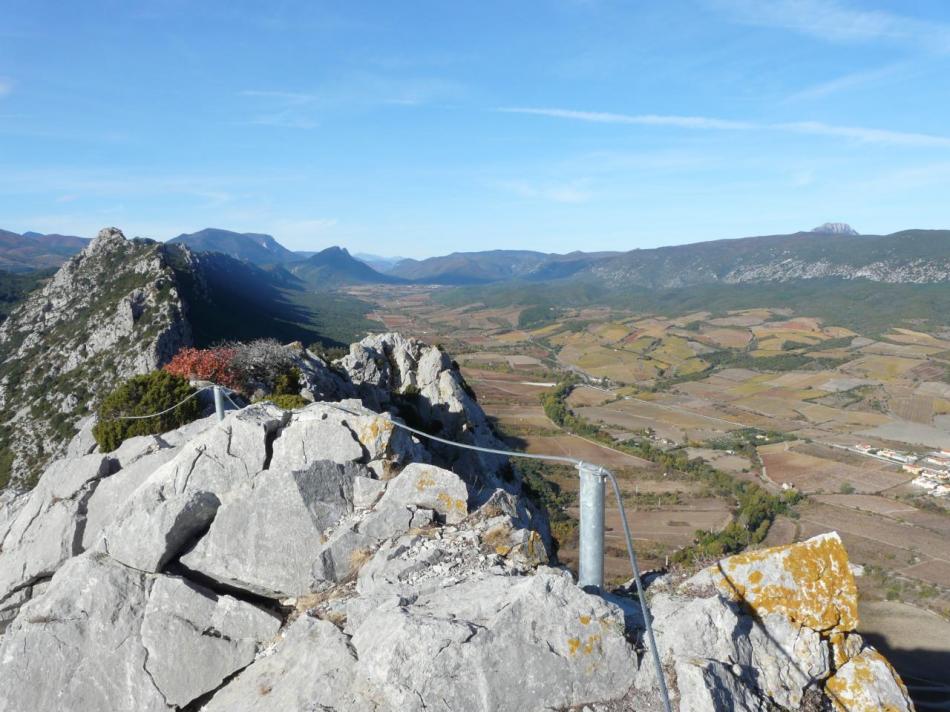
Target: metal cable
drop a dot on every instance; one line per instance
(647, 620)
(167, 410)
(631, 553)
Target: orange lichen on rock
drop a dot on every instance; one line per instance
(809, 582)
(868, 683)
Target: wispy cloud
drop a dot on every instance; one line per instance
(6, 86)
(301, 109)
(866, 135)
(836, 22)
(571, 193)
(686, 122)
(855, 133)
(845, 82)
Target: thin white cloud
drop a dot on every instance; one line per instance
(845, 82)
(686, 122)
(856, 133)
(6, 86)
(867, 135)
(569, 193)
(837, 22)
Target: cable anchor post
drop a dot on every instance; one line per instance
(219, 402)
(590, 569)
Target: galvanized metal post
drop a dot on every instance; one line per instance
(590, 568)
(219, 402)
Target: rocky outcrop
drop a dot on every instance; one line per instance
(110, 312)
(775, 626)
(315, 560)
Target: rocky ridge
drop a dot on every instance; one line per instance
(110, 312)
(325, 559)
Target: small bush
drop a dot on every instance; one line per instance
(846, 488)
(144, 395)
(261, 362)
(287, 383)
(215, 365)
(287, 401)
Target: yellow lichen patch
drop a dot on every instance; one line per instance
(374, 429)
(809, 582)
(424, 481)
(449, 503)
(844, 647)
(868, 683)
(585, 620)
(585, 647)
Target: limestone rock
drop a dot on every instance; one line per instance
(311, 668)
(112, 311)
(195, 639)
(48, 526)
(267, 533)
(344, 432)
(180, 499)
(76, 648)
(367, 491)
(810, 583)
(495, 643)
(429, 487)
(713, 686)
(868, 683)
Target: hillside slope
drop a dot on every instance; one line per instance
(908, 257)
(256, 248)
(111, 311)
(23, 253)
(334, 267)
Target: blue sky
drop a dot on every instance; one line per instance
(424, 127)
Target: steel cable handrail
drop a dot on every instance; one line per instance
(580, 464)
(167, 410)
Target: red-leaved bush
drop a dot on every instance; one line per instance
(213, 365)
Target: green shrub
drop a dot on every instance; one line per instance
(288, 401)
(287, 383)
(144, 395)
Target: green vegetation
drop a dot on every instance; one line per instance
(288, 401)
(869, 308)
(537, 316)
(15, 286)
(755, 508)
(539, 485)
(144, 395)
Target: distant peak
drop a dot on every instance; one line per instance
(836, 228)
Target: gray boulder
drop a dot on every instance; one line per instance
(77, 647)
(179, 499)
(195, 639)
(267, 534)
(310, 668)
(48, 527)
(496, 643)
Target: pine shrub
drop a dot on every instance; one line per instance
(144, 395)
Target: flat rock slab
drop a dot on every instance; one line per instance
(267, 534)
(196, 639)
(809, 582)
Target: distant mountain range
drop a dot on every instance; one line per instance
(256, 248)
(832, 250)
(33, 250)
(335, 267)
